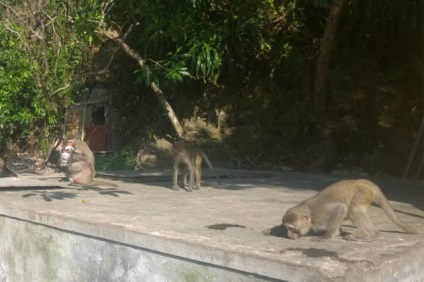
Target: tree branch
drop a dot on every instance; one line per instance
(113, 35)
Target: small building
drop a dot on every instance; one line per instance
(94, 120)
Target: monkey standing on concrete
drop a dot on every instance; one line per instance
(81, 164)
(188, 153)
(326, 211)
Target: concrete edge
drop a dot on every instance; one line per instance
(248, 262)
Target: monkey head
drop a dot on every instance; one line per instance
(296, 223)
(69, 141)
(79, 150)
(74, 146)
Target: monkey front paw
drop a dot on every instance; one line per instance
(175, 188)
(321, 239)
(359, 238)
(196, 187)
(189, 190)
(318, 239)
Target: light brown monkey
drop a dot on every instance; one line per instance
(81, 164)
(346, 199)
(189, 154)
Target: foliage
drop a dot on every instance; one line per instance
(201, 40)
(41, 58)
(122, 160)
(250, 59)
(254, 60)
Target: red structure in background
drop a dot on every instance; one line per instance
(97, 138)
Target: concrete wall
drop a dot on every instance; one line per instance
(143, 233)
(35, 252)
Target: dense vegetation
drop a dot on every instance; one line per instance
(248, 68)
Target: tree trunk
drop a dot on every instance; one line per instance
(324, 55)
(168, 109)
(159, 94)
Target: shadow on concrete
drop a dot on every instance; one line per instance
(223, 226)
(395, 189)
(321, 253)
(253, 180)
(24, 188)
(104, 191)
(50, 196)
(45, 194)
(281, 232)
(276, 231)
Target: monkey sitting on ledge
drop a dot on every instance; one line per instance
(346, 199)
(81, 164)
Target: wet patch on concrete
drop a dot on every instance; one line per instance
(223, 226)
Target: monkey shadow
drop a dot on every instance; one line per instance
(102, 191)
(276, 231)
(281, 231)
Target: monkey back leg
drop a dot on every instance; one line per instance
(175, 175)
(185, 177)
(191, 171)
(198, 176)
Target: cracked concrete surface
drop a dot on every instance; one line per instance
(219, 232)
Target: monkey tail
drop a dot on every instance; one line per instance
(387, 208)
(205, 157)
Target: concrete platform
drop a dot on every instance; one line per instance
(147, 232)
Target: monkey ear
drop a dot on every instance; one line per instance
(306, 217)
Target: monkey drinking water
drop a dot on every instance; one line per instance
(81, 164)
(326, 211)
(189, 154)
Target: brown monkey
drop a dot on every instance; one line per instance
(188, 153)
(81, 164)
(346, 199)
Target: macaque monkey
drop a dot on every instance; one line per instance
(346, 199)
(81, 164)
(188, 153)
